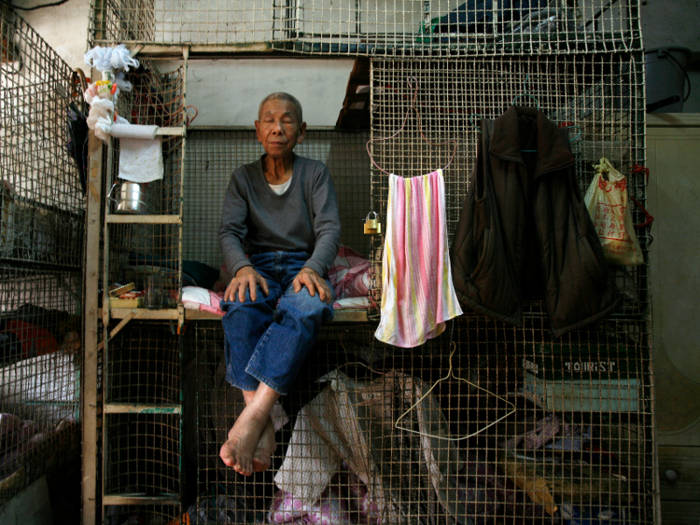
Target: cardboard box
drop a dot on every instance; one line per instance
(116, 302)
(580, 361)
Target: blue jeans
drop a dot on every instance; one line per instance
(268, 340)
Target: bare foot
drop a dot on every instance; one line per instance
(243, 439)
(262, 459)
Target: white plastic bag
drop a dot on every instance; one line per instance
(608, 205)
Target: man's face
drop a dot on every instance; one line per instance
(279, 129)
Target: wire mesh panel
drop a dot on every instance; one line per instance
(41, 247)
(142, 453)
(157, 98)
(386, 27)
(599, 98)
(41, 210)
(143, 424)
(147, 255)
(39, 378)
(213, 155)
(561, 429)
(143, 366)
(215, 492)
(452, 432)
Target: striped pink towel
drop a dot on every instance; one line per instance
(417, 291)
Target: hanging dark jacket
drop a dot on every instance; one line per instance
(524, 231)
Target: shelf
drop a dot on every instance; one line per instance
(179, 131)
(141, 500)
(143, 219)
(144, 313)
(341, 316)
(673, 120)
(140, 408)
(28, 265)
(154, 50)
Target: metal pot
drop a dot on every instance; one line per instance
(131, 198)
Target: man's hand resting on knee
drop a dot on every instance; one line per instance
(315, 284)
(246, 279)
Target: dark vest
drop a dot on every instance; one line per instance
(524, 231)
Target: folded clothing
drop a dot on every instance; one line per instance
(197, 298)
(352, 303)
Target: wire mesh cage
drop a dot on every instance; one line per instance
(42, 167)
(487, 423)
(39, 377)
(599, 98)
(42, 192)
(141, 455)
(388, 27)
(142, 423)
(143, 367)
(362, 434)
(149, 252)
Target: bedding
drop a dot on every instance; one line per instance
(349, 274)
(39, 397)
(349, 277)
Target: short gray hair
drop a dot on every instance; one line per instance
(281, 95)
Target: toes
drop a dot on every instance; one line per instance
(243, 471)
(242, 467)
(228, 460)
(261, 463)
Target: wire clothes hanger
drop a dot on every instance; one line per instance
(525, 93)
(412, 108)
(451, 374)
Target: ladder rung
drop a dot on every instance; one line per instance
(116, 218)
(140, 408)
(171, 132)
(144, 313)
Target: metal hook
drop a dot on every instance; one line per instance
(472, 123)
(580, 132)
(415, 91)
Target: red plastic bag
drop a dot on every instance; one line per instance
(608, 205)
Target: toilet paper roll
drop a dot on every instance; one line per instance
(134, 131)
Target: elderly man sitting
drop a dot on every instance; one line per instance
(280, 232)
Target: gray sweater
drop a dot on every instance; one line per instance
(303, 219)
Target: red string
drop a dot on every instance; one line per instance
(640, 169)
(649, 217)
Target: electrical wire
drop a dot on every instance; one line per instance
(61, 2)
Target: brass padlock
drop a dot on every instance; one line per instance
(372, 225)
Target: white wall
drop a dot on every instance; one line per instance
(227, 92)
(65, 28)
